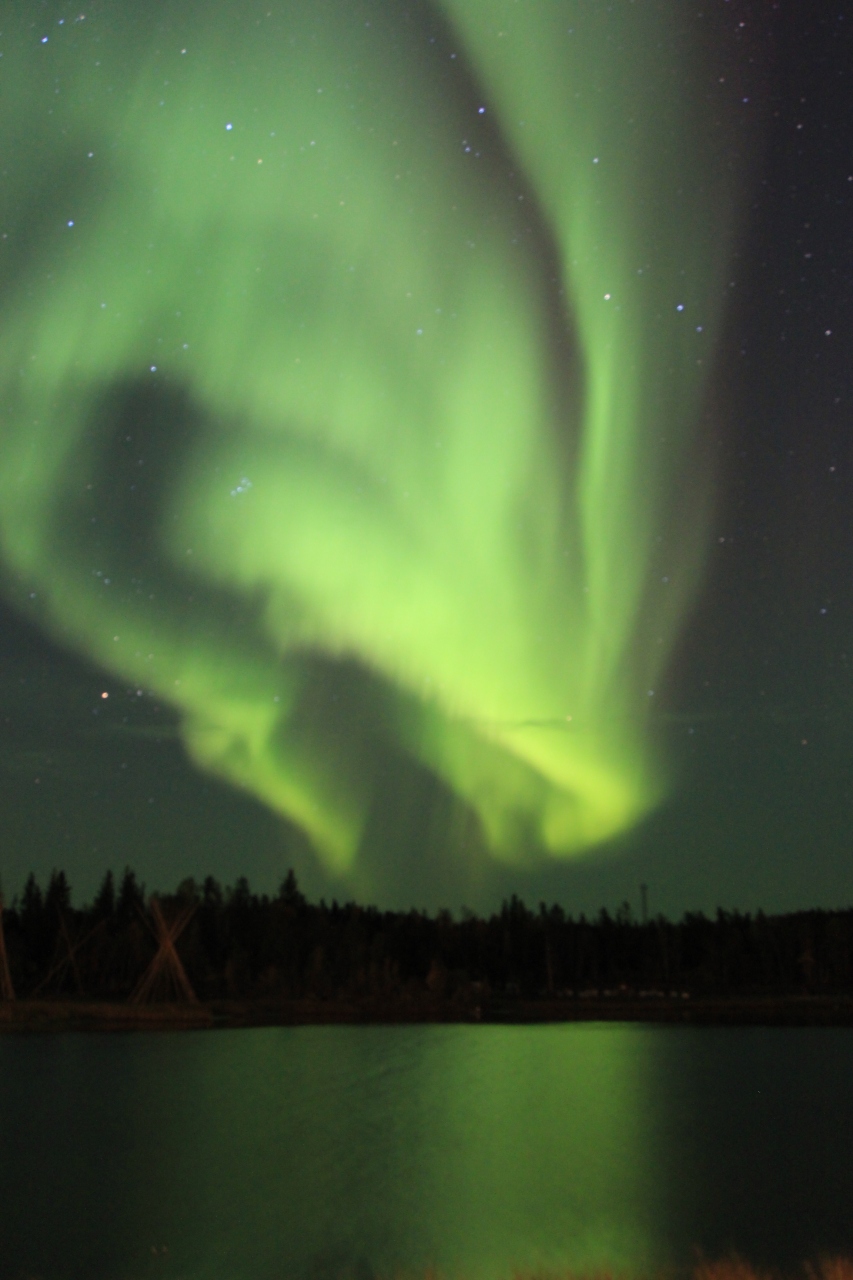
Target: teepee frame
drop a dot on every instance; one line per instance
(7, 991)
(68, 959)
(165, 978)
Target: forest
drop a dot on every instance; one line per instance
(234, 944)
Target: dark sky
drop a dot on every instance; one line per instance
(758, 711)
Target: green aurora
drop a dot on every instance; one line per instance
(351, 367)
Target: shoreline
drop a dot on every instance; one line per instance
(74, 1014)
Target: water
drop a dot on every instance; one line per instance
(359, 1151)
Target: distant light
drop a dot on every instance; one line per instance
(105, 695)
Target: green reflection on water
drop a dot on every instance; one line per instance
(355, 1151)
(347, 1153)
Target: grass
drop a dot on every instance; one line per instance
(732, 1267)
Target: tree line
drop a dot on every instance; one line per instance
(240, 945)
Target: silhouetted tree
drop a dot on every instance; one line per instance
(289, 891)
(103, 908)
(31, 903)
(131, 897)
(240, 944)
(58, 895)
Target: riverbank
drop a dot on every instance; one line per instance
(74, 1014)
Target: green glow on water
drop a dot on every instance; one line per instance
(469, 1152)
(290, 375)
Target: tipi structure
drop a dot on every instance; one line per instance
(7, 991)
(165, 978)
(65, 957)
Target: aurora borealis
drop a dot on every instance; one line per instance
(344, 347)
(426, 463)
(669, 567)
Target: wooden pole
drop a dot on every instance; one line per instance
(7, 991)
(72, 951)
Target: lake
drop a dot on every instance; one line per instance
(342, 1153)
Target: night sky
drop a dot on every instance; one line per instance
(755, 714)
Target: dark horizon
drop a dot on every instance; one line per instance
(233, 944)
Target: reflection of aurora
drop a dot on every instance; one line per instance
(475, 1152)
(296, 430)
